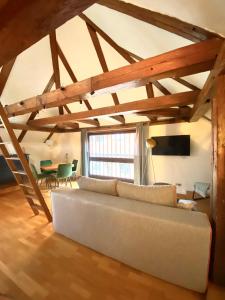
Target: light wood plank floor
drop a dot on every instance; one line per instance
(36, 263)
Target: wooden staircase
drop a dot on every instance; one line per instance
(24, 177)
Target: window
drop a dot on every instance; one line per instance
(111, 155)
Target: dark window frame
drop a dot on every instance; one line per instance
(109, 159)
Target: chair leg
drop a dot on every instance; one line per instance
(70, 182)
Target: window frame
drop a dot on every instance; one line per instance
(109, 159)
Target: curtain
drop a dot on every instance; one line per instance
(141, 155)
(84, 153)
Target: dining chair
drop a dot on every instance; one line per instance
(39, 176)
(74, 168)
(46, 163)
(63, 174)
(201, 190)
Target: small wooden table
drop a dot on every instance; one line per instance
(53, 167)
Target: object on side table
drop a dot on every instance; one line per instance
(187, 204)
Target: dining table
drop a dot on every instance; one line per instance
(53, 167)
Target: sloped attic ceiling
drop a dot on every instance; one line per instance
(33, 67)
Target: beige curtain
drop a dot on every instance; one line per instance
(141, 157)
(84, 153)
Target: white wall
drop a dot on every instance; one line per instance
(189, 169)
(204, 13)
(61, 144)
(69, 143)
(38, 151)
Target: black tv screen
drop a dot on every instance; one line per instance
(172, 145)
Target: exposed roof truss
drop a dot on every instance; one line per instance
(174, 64)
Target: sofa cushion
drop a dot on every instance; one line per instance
(98, 185)
(162, 195)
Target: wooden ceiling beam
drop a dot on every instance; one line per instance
(73, 78)
(180, 80)
(119, 118)
(96, 129)
(180, 99)
(68, 125)
(24, 132)
(160, 87)
(131, 125)
(187, 60)
(103, 63)
(66, 64)
(108, 39)
(170, 24)
(34, 114)
(55, 64)
(168, 112)
(56, 74)
(55, 61)
(93, 122)
(19, 126)
(184, 112)
(149, 90)
(128, 56)
(168, 121)
(25, 22)
(187, 84)
(4, 74)
(53, 130)
(115, 127)
(150, 94)
(203, 102)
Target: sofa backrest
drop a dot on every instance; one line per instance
(98, 185)
(161, 195)
(157, 194)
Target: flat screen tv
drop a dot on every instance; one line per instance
(172, 145)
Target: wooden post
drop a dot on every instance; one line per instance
(218, 194)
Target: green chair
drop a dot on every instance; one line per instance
(39, 176)
(74, 168)
(46, 163)
(63, 174)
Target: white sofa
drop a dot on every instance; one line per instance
(167, 242)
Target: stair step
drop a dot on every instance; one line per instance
(5, 143)
(30, 196)
(38, 206)
(26, 186)
(20, 172)
(12, 158)
(33, 197)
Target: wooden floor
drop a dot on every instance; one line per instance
(36, 263)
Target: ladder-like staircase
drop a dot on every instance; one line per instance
(24, 177)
